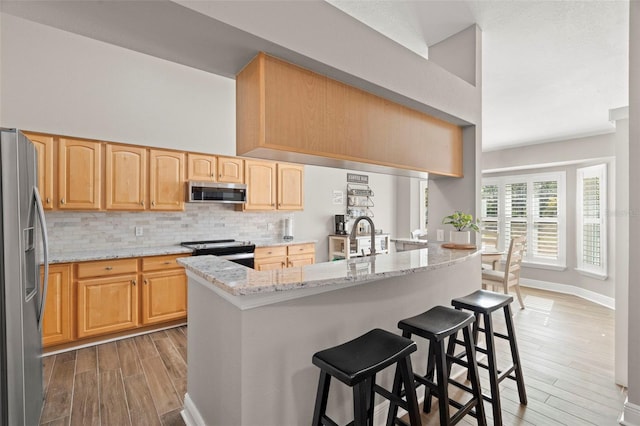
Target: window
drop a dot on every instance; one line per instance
(528, 205)
(591, 221)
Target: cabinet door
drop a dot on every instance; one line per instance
(290, 187)
(270, 263)
(261, 185)
(164, 296)
(56, 323)
(106, 305)
(201, 167)
(125, 177)
(300, 260)
(230, 170)
(44, 150)
(78, 174)
(166, 180)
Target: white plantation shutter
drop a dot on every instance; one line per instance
(490, 206)
(545, 219)
(591, 220)
(532, 206)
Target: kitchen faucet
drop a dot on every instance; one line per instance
(354, 231)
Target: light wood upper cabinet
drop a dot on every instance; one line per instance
(107, 305)
(79, 174)
(166, 180)
(201, 167)
(230, 170)
(261, 185)
(56, 323)
(290, 187)
(44, 149)
(125, 177)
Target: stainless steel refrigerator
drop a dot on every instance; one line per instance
(23, 250)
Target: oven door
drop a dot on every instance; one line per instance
(245, 259)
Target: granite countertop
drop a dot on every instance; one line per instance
(281, 242)
(118, 253)
(238, 280)
(409, 241)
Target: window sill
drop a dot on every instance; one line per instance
(601, 277)
(546, 266)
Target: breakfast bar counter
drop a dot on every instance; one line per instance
(251, 334)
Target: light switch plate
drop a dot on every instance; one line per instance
(440, 235)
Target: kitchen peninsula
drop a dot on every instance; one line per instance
(252, 334)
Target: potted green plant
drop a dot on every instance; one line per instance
(462, 222)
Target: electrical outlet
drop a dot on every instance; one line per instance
(269, 226)
(139, 231)
(440, 235)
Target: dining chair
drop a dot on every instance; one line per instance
(510, 277)
(489, 239)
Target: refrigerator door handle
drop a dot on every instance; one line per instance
(45, 249)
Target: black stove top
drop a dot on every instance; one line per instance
(219, 247)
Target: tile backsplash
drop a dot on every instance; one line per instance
(73, 231)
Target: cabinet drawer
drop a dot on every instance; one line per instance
(270, 251)
(301, 249)
(106, 268)
(159, 263)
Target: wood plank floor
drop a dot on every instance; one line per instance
(566, 345)
(137, 381)
(567, 351)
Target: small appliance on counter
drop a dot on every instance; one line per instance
(241, 252)
(288, 229)
(341, 224)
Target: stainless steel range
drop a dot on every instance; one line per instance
(235, 251)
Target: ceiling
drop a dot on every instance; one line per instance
(551, 69)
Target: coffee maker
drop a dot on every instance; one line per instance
(341, 224)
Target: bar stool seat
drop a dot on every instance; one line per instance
(356, 363)
(436, 325)
(483, 303)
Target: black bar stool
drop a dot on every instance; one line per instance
(436, 325)
(483, 303)
(355, 364)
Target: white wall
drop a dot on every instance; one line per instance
(58, 82)
(632, 408)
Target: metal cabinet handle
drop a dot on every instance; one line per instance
(273, 204)
(167, 262)
(142, 203)
(146, 282)
(48, 200)
(62, 201)
(283, 264)
(153, 203)
(213, 175)
(133, 282)
(220, 175)
(108, 268)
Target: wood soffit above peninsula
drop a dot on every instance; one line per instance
(289, 113)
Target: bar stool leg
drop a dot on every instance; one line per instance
(393, 407)
(371, 382)
(406, 372)
(360, 396)
(442, 373)
(493, 370)
(431, 363)
(522, 393)
(473, 375)
(321, 398)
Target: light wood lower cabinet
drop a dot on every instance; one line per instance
(281, 257)
(107, 305)
(164, 290)
(57, 324)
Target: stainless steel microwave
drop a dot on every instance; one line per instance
(215, 192)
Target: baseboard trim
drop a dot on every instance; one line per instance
(190, 413)
(631, 414)
(592, 296)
